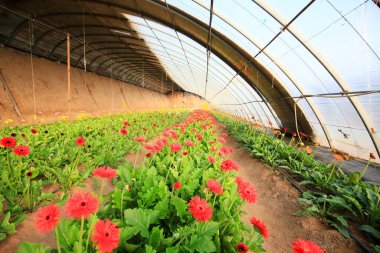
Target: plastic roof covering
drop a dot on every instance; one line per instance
(333, 46)
(329, 46)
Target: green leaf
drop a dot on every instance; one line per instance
(371, 230)
(140, 220)
(149, 249)
(207, 228)
(156, 236)
(27, 247)
(180, 205)
(201, 244)
(172, 250)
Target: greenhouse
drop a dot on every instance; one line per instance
(189, 126)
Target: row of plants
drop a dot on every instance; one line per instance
(185, 197)
(330, 193)
(37, 161)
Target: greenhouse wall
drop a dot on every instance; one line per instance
(91, 93)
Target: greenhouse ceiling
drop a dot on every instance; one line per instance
(314, 65)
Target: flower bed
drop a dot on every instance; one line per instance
(185, 197)
(63, 154)
(329, 192)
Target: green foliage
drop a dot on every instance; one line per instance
(335, 196)
(56, 159)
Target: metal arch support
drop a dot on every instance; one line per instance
(342, 84)
(285, 72)
(197, 24)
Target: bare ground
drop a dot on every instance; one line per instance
(276, 205)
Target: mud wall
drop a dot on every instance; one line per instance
(90, 93)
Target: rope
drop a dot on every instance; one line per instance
(31, 63)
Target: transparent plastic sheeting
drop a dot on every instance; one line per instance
(332, 46)
(186, 63)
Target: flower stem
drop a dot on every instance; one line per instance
(213, 202)
(332, 171)
(90, 231)
(138, 154)
(365, 169)
(57, 239)
(81, 234)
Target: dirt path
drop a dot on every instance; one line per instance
(276, 205)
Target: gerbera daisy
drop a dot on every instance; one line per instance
(80, 141)
(175, 147)
(214, 186)
(228, 165)
(104, 172)
(211, 159)
(47, 218)
(123, 131)
(8, 142)
(304, 246)
(177, 185)
(189, 143)
(81, 204)
(106, 236)
(21, 150)
(247, 192)
(200, 209)
(261, 226)
(242, 247)
(139, 139)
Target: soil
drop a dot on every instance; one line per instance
(276, 205)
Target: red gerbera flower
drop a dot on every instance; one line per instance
(123, 131)
(80, 141)
(211, 159)
(221, 139)
(303, 134)
(139, 139)
(175, 147)
(126, 123)
(106, 236)
(104, 172)
(294, 134)
(224, 151)
(228, 165)
(34, 131)
(286, 129)
(185, 153)
(247, 191)
(214, 186)
(81, 204)
(189, 143)
(372, 156)
(261, 226)
(177, 185)
(8, 142)
(199, 137)
(148, 155)
(21, 150)
(304, 246)
(47, 218)
(242, 247)
(200, 209)
(224, 135)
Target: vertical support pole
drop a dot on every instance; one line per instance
(68, 74)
